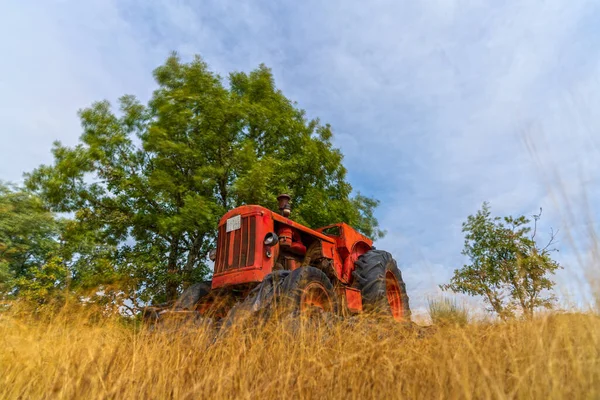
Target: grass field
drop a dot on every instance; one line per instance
(71, 356)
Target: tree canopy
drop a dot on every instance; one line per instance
(29, 246)
(507, 266)
(147, 184)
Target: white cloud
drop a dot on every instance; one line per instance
(432, 102)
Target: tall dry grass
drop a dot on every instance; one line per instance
(72, 356)
(447, 311)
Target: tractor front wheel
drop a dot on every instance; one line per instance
(192, 295)
(308, 291)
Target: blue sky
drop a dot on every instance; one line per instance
(437, 105)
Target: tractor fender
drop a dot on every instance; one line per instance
(358, 249)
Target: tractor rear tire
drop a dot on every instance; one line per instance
(380, 282)
(308, 289)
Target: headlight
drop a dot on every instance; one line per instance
(212, 254)
(271, 239)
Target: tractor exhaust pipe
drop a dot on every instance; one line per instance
(284, 204)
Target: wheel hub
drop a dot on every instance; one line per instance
(315, 299)
(394, 297)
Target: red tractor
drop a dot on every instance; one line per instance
(263, 257)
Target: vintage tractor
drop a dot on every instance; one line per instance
(263, 258)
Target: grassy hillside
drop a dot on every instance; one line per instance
(72, 356)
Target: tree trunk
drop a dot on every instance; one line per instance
(495, 303)
(192, 257)
(173, 270)
(223, 191)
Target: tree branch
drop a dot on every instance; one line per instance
(535, 220)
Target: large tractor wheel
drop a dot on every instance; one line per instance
(187, 301)
(307, 290)
(260, 301)
(183, 310)
(190, 296)
(382, 288)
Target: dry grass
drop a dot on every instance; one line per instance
(67, 356)
(447, 311)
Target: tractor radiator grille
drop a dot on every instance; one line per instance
(236, 249)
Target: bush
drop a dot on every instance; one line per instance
(446, 311)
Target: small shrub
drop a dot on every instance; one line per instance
(446, 311)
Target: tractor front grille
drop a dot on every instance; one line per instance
(236, 249)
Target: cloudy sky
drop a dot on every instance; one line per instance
(437, 105)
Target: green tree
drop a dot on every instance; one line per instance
(507, 266)
(30, 262)
(152, 181)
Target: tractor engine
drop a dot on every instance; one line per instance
(254, 241)
(242, 256)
